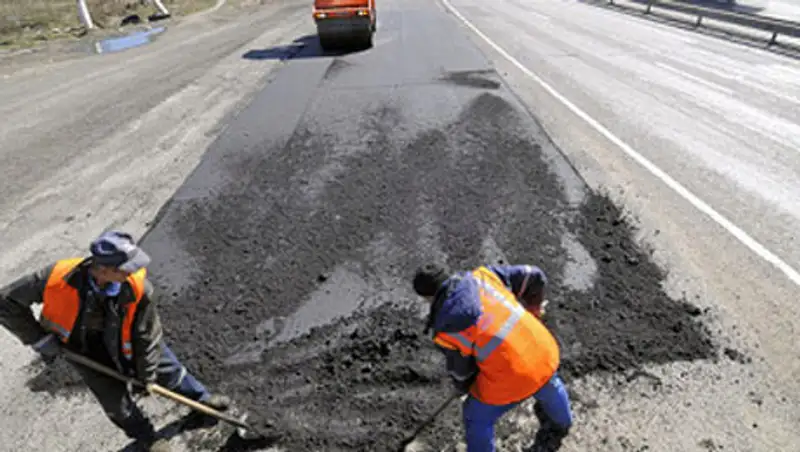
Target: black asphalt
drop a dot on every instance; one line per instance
(283, 262)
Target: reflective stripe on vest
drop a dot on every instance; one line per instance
(61, 304)
(136, 282)
(493, 296)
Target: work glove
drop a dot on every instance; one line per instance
(138, 391)
(48, 348)
(462, 386)
(135, 389)
(539, 310)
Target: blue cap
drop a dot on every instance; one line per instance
(118, 249)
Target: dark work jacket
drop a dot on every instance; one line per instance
(16, 315)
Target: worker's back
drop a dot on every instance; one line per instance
(526, 357)
(525, 361)
(515, 352)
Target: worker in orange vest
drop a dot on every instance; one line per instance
(103, 307)
(486, 322)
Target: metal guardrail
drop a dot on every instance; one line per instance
(774, 26)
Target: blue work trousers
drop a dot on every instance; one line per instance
(117, 402)
(174, 376)
(480, 418)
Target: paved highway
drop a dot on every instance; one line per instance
(320, 196)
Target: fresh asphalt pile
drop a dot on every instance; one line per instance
(283, 264)
(262, 246)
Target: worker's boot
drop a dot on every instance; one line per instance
(217, 402)
(550, 435)
(138, 427)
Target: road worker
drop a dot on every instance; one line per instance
(103, 306)
(486, 322)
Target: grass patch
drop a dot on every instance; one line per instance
(25, 22)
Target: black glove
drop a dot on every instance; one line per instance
(137, 390)
(462, 386)
(48, 348)
(531, 297)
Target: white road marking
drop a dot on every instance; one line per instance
(694, 78)
(698, 203)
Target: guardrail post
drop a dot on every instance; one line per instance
(771, 25)
(160, 7)
(774, 39)
(84, 15)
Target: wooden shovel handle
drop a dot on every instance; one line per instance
(153, 388)
(156, 389)
(84, 361)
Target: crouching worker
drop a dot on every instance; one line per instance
(102, 307)
(486, 323)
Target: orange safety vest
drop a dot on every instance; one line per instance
(61, 304)
(515, 352)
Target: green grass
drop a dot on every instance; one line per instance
(25, 22)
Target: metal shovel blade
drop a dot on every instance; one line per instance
(246, 432)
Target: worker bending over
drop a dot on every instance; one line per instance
(102, 307)
(486, 321)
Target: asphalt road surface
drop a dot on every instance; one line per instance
(283, 260)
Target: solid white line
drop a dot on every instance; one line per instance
(698, 203)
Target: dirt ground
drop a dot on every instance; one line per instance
(26, 23)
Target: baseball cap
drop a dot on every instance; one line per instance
(118, 249)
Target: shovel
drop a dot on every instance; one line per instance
(244, 430)
(406, 442)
